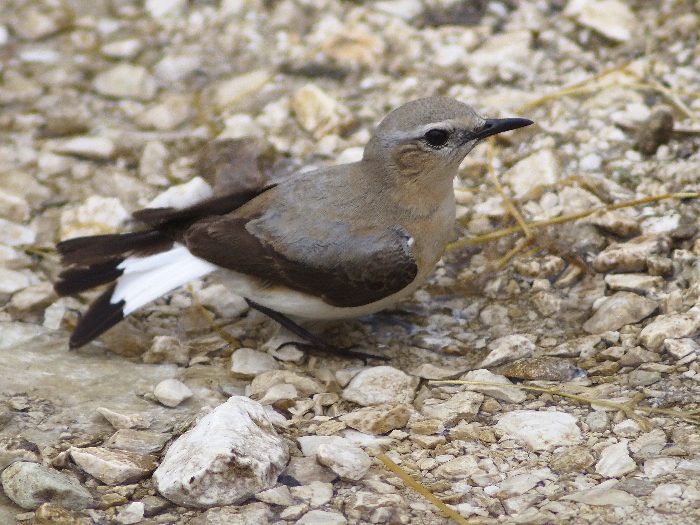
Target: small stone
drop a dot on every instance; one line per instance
(305, 470)
(378, 419)
(632, 255)
(575, 347)
(248, 363)
(618, 310)
(544, 368)
(314, 494)
(658, 265)
(33, 297)
(540, 430)
(656, 467)
(111, 466)
(638, 356)
(615, 461)
(183, 195)
(677, 348)
(655, 131)
(431, 371)
(279, 495)
(627, 428)
(98, 215)
(131, 513)
(322, 517)
(13, 234)
(126, 81)
(18, 449)
(509, 394)
(670, 327)
(460, 406)
(643, 378)
(225, 304)
(635, 282)
(317, 112)
(602, 496)
(97, 148)
(37, 20)
(252, 514)
(611, 18)
(665, 493)
(171, 392)
(167, 349)
(232, 453)
(305, 386)
(635, 486)
(459, 468)
(349, 462)
(572, 459)
(380, 385)
(503, 54)
(13, 207)
(125, 48)
(507, 348)
(238, 88)
(30, 485)
(614, 222)
(118, 420)
(173, 111)
(597, 421)
(159, 9)
(294, 512)
(532, 173)
(139, 441)
(12, 281)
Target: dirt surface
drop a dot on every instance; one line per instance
(104, 105)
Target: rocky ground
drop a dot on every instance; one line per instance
(189, 413)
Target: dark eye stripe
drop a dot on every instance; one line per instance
(436, 138)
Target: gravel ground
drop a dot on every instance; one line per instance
(106, 104)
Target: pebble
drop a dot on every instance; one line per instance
(679, 348)
(507, 348)
(322, 517)
(611, 18)
(125, 48)
(502, 54)
(138, 441)
(381, 385)
(236, 89)
(37, 20)
(94, 148)
(30, 484)
(169, 114)
(119, 420)
(602, 496)
(530, 174)
(232, 453)
(670, 326)
(459, 468)
(540, 430)
(225, 304)
(171, 392)
(378, 419)
(618, 310)
(247, 363)
(615, 461)
(431, 371)
(627, 428)
(635, 282)
(164, 8)
(167, 349)
(279, 495)
(543, 368)
(615, 223)
(111, 466)
(183, 195)
(13, 234)
(131, 513)
(305, 470)
(460, 406)
(18, 449)
(97, 215)
(126, 81)
(630, 256)
(348, 461)
(572, 459)
(315, 494)
(13, 207)
(511, 395)
(12, 281)
(655, 131)
(317, 112)
(643, 378)
(304, 385)
(656, 467)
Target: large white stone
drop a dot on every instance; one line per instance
(379, 385)
(541, 430)
(615, 461)
(171, 392)
(348, 461)
(231, 454)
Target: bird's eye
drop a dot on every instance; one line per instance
(436, 138)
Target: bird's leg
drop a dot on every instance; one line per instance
(314, 342)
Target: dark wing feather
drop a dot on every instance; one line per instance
(369, 268)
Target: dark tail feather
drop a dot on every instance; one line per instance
(75, 280)
(100, 317)
(99, 249)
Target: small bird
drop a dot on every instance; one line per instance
(333, 243)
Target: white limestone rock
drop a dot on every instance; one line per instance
(540, 430)
(533, 172)
(611, 18)
(97, 148)
(131, 513)
(460, 406)
(30, 485)
(378, 419)
(111, 466)
(183, 195)
(379, 385)
(507, 348)
(317, 112)
(126, 81)
(615, 461)
(348, 461)
(231, 454)
(509, 394)
(246, 363)
(13, 234)
(670, 326)
(97, 215)
(171, 392)
(618, 310)
(237, 88)
(322, 517)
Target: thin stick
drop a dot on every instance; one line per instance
(423, 491)
(461, 243)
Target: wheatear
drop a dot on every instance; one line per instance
(333, 243)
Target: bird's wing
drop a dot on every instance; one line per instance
(345, 271)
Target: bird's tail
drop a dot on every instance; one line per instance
(142, 266)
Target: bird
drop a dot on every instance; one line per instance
(331, 243)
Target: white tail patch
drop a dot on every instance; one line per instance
(145, 279)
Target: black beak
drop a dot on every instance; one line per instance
(493, 126)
